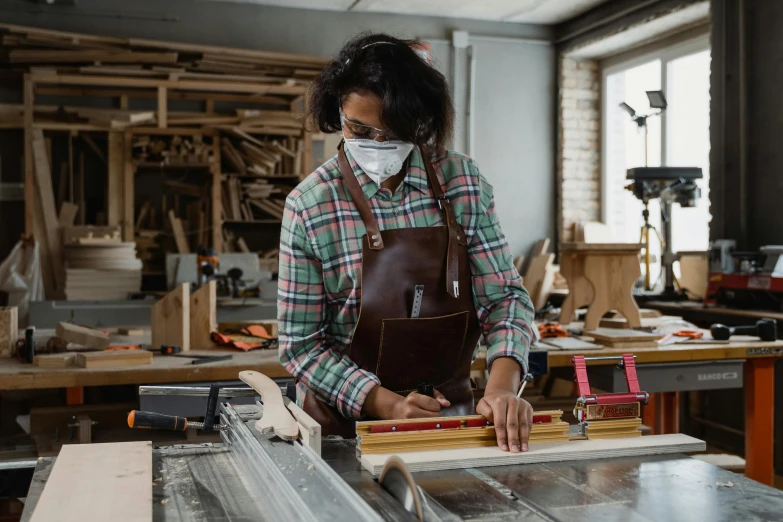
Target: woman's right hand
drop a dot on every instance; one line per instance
(382, 403)
(416, 406)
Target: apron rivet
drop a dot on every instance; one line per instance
(394, 428)
(376, 243)
(374, 236)
(437, 426)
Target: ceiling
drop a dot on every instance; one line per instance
(544, 12)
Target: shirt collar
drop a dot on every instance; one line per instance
(416, 176)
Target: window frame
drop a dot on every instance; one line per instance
(665, 51)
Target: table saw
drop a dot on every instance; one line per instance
(252, 476)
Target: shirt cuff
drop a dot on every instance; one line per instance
(351, 397)
(493, 352)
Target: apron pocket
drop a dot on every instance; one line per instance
(421, 350)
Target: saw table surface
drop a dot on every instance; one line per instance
(201, 483)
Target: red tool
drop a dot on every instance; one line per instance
(549, 330)
(590, 406)
(690, 334)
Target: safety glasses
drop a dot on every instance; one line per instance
(360, 131)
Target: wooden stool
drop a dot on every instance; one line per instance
(601, 276)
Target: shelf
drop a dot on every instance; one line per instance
(155, 165)
(254, 222)
(237, 175)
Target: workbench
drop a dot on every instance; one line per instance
(758, 362)
(202, 483)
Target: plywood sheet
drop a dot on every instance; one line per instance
(539, 453)
(99, 482)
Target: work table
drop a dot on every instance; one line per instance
(201, 483)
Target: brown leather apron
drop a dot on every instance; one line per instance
(435, 348)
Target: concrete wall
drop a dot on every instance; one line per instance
(514, 137)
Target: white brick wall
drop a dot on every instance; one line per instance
(579, 144)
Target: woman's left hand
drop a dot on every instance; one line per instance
(511, 416)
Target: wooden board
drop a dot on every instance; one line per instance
(113, 359)
(171, 319)
(203, 316)
(609, 248)
(55, 360)
(9, 320)
(51, 225)
(89, 337)
(539, 453)
(277, 417)
(570, 343)
(309, 429)
(179, 233)
(68, 214)
(613, 335)
(92, 482)
(536, 275)
(630, 345)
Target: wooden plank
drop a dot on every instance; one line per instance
(610, 248)
(619, 335)
(570, 343)
(536, 275)
(55, 360)
(9, 321)
(43, 179)
(191, 85)
(116, 162)
(89, 337)
(80, 186)
(128, 189)
(171, 319)
(179, 233)
(309, 429)
(99, 482)
(67, 214)
(29, 175)
(539, 453)
(162, 108)
(113, 359)
(48, 56)
(94, 146)
(203, 316)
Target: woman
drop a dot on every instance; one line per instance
(392, 261)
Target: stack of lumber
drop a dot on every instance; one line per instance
(139, 58)
(253, 201)
(624, 338)
(174, 150)
(376, 436)
(98, 265)
(249, 156)
(613, 429)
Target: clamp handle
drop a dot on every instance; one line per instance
(156, 421)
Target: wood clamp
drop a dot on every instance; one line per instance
(158, 421)
(616, 413)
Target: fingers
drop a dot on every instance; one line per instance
(485, 410)
(512, 425)
(444, 402)
(423, 402)
(500, 413)
(525, 423)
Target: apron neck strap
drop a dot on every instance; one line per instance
(371, 224)
(355, 190)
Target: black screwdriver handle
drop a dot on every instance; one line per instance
(156, 421)
(426, 388)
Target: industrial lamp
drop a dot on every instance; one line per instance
(658, 103)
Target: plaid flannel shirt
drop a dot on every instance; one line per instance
(321, 261)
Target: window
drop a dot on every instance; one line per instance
(678, 138)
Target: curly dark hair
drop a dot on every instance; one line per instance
(415, 99)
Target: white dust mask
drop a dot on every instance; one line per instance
(379, 160)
